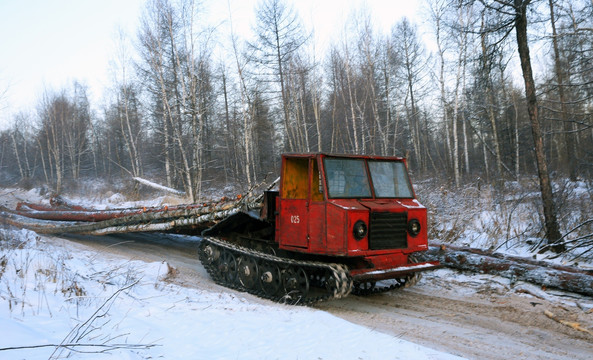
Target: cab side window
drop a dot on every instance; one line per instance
(295, 179)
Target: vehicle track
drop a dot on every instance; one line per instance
(477, 317)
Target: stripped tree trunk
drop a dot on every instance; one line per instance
(514, 268)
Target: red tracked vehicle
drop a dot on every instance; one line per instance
(338, 224)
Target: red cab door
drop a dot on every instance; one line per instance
(292, 220)
(293, 229)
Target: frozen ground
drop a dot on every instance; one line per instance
(99, 306)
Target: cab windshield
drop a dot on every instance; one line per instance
(390, 179)
(348, 178)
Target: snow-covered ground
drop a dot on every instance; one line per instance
(509, 220)
(58, 301)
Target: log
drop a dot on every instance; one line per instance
(57, 201)
(25, 206)
(47, 213)
(515, 268)
(520, 259)
(200, 222)
(40, 226)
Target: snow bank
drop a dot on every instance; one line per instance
(53, 295)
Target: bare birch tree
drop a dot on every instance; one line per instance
(126, 105)
(280, 35)
(64, 124)
(20, 134)
(406, 42)
(176, 57)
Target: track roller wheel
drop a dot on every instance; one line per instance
(248, 272)
(208, 254)
(270, 279)
(296, 283)
(364, 288)
(228, 267)
(330, 283)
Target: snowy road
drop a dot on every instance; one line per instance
(477, 317)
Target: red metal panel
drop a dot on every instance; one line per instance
(317, 225)
(291, 225)
(384, 205)
(387, 261)
(336, 230)
(341, 216)
(348, 204)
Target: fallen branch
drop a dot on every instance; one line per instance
(81, 330)
(572, 324)
(508, 258)
(108, 346)
(158, 186)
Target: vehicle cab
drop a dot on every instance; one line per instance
(349, 206)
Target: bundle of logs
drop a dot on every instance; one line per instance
(62, 217)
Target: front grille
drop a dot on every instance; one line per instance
(388, 231)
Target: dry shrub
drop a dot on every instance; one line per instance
(575, 209)
(480, 215)
(73, 289)
(3, 263)
(169, 275)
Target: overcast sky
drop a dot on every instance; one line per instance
(47, 44)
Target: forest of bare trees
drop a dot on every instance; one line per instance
(470, 103)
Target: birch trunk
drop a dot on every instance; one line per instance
(352, 101)
(568, 153)
(459, 83)
(491, 103)
(16, 153)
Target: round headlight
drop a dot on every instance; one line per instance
(359, 230)
(414, 227)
